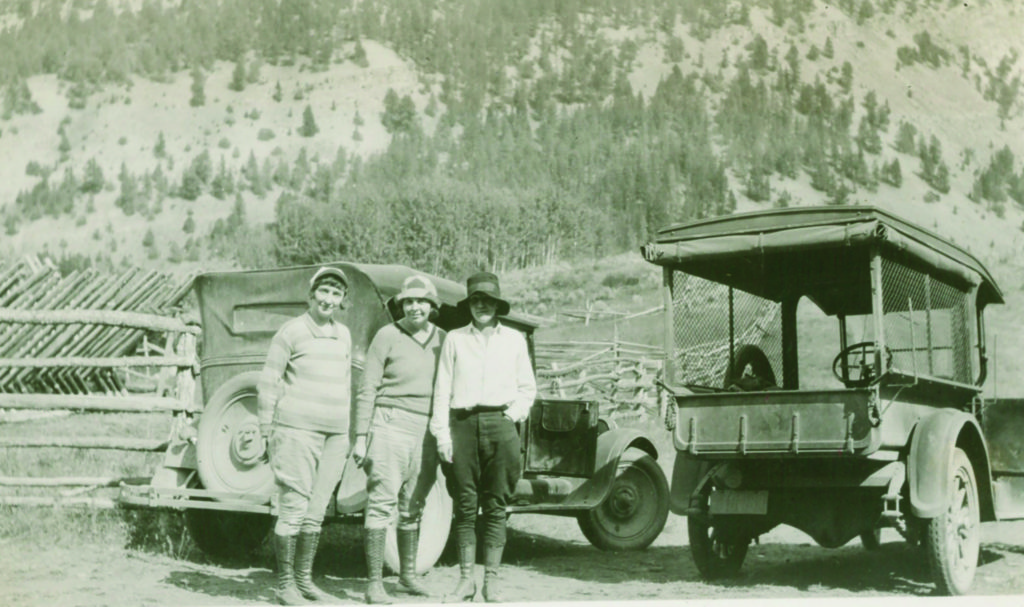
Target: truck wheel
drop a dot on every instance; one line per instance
(435, 527)
(953, 540)
(715, 553)
(871, 540)
(635, 510)
(229, 447)
(226, 535)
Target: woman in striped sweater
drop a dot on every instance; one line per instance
(303, 407)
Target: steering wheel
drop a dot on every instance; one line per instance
(858, 361)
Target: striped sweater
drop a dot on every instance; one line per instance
(306, 381)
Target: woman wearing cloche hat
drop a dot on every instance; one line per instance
(303, 407)
(484, 386)
(397, 452)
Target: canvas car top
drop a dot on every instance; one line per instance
(241, 310)
(771, 253)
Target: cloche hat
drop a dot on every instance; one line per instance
(418, 287)
(328, 271)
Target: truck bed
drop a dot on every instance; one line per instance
(777, 422)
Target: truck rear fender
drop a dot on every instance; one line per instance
(688, 474)
(611, 446)
(932, 443)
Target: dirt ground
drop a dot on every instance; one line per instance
(548, 560)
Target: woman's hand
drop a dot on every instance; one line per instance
(359, 450)
(444, 451)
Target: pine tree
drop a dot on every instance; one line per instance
(92, 181)
(309, 127)
(202, 166)
(359, 55)
(846, 77)
(129, 191)
(238, 76)
(892, 173)
(867, 136)
(278, 93)
(237, 217)
(198, 88)
(160, 149)
(905, 138)
(191, 186)
(758, 53)
(399, 113)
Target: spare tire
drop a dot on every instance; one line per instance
(229, 447)
(761, 376)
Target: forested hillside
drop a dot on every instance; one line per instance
(454, 135)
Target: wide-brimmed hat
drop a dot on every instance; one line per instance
(418, 287)
(485, 283)
(328, 271)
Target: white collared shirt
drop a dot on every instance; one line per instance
(490, 367)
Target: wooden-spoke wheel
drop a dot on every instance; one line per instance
(716, 551)
(953, 539)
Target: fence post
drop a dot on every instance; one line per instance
(185, 384)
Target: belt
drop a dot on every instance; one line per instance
(466, 412)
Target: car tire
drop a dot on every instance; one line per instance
(635, 510)
(222, 534)
(953, 539)
(229, 449)
(716, 554)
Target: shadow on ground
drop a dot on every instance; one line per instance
(774, 569)
(894, 568)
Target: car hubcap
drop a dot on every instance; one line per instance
(623, 502)
(246, 445)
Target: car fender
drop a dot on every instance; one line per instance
(930, 459)
(611, 446)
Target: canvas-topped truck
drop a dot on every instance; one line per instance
(826, 372)
(576, 463)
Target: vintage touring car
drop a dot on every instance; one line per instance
(575, 462)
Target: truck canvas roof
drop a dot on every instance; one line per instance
(812, 249)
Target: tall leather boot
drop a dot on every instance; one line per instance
(374, 545)
(492, 563)
(287, 593)
(408, 544)
(305, 552)
(465, 590)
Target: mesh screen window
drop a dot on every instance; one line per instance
(926, 324)
(701, 329)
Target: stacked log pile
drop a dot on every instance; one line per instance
(32, 285)
(622, 376)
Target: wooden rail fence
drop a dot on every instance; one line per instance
(62, 338)
(622, 375)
